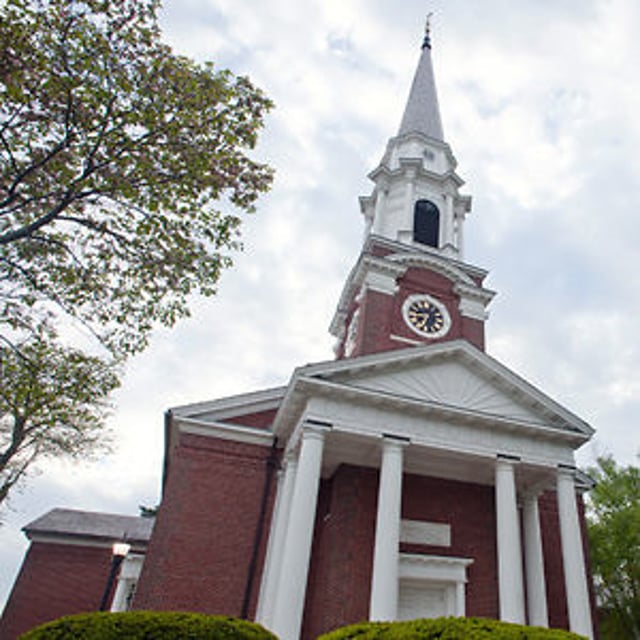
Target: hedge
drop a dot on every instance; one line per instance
(139, 625)
(447, 629)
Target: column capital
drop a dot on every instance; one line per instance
(567, 471)
(290, 458)
(506, 457)
(390, 440)
(315, 429)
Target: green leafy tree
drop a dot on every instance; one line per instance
(613, 517)
(53, 401)
(122, 167)
(124, 172)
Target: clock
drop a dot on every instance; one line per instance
(426, 316)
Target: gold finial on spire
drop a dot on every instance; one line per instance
(427, 32)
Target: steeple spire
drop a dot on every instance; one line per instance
(422, 113)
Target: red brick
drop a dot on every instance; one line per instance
(198, 558)
(55, 580)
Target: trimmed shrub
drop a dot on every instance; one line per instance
(447, 629)
(147, 625)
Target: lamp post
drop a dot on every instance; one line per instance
(118, 553)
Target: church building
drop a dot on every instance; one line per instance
(412, 476)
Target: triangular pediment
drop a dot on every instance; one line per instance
(453, 377)
(450, 383)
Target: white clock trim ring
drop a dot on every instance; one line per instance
(432, 331)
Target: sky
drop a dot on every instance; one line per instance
(540, 102)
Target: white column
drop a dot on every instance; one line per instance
(273, 561)
(447, 222)
(461, 599)
(575, 577)
(460, 235)
(410, 202)
(127, 579)
(534, 564)
(510, 581)
(384, 583)
(292, 585)
(377, 224)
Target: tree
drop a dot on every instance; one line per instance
(613, 518)
(115, 154)
(52, 403)
(124, 169)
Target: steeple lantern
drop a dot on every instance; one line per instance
(417, 172)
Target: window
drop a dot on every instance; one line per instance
(426, 223)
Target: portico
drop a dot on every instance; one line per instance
(364, 413)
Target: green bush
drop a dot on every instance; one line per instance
(148, 625)
(447, 629)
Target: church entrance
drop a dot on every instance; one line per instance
(424, 600)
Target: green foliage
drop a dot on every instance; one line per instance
(148, 512)
(144, 625)
(115, 154)
(613, 518)
(123, 170)
(52, 403)
(447, 629)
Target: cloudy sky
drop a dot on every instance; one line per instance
(540, 102)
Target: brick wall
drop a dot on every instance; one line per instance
(198, 558)
(470, 511)
(55, 580)
(340, 574)
(381, 315)
(554, 571)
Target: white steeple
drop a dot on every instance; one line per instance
(422, 114)
(415, 199)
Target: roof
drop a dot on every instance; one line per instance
(354, 374)
(72, 523)
(422, 113)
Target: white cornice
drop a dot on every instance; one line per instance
(434, 262)
(137, 546)
(416, 166)
(426, 140)
(314, 379)
(395, 265)
(252, 402)
(224, 431)
(429, 407)
(372, 272)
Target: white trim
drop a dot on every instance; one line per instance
(449, 573)
(437, 534)
(137, 546)
(419, 297)
(224, 431)
(381, 283)
(302, 383)
(127, 581)
(252, 402)
(397, 338)
(378, 398)
(418, 566)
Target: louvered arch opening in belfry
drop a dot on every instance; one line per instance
(426, 223)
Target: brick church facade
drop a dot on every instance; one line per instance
(412, 476)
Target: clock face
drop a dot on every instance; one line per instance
(426, 316)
